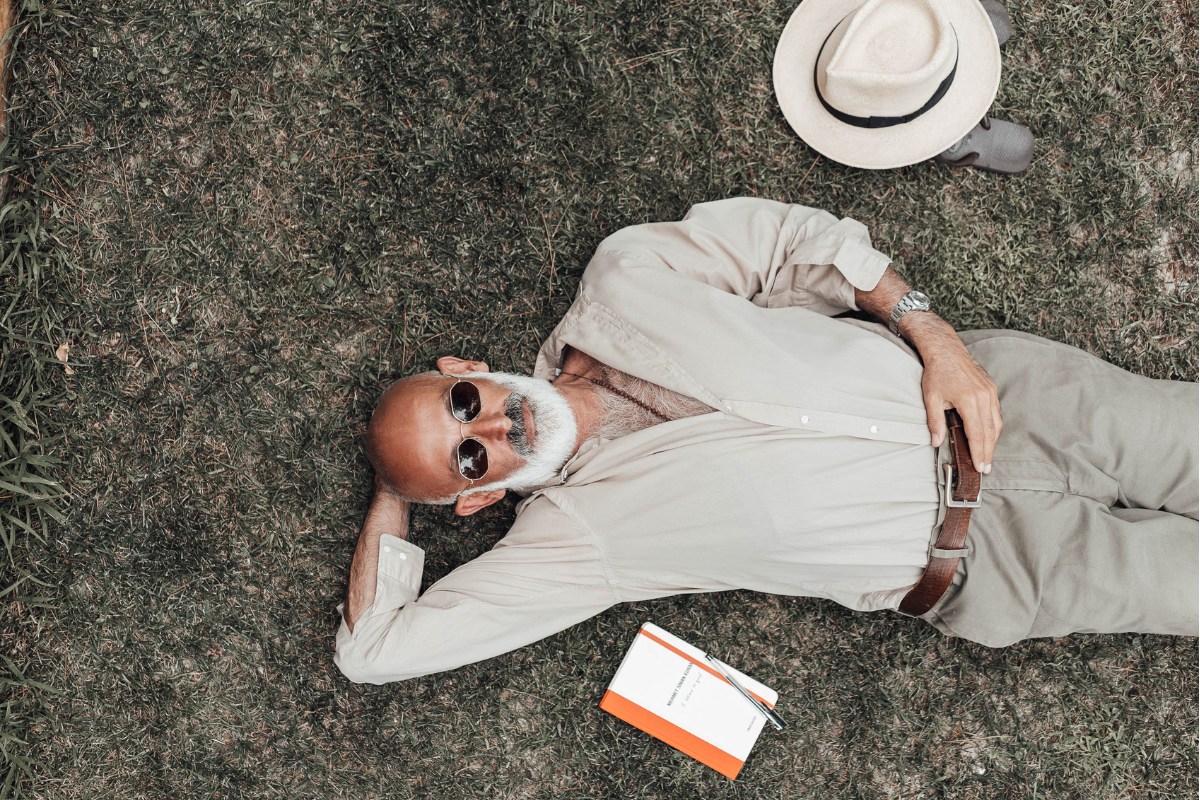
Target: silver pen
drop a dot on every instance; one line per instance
(771, 716)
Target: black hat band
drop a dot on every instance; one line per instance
(882, 122)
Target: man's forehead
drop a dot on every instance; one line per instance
(416, 389)
(424, 383)
(415, 434)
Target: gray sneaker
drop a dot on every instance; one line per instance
(993, 144)
(998, 14)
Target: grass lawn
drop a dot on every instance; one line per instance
(261, 212)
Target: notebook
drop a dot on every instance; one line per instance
(666, 688)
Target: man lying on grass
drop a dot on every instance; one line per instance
(700, 420)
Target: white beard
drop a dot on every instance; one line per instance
(552, 419)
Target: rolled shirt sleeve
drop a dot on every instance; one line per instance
(773, 254)
(543, 577)
(401, 564)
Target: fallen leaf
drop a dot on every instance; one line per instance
(61, 354)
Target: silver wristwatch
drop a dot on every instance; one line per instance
(913, 301)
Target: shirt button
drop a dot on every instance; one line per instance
(387, 549)
(403, 556)
(804, 419)
(874, 429)
(595, 445)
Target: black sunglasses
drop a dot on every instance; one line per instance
(465, 405)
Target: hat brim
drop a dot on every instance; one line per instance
(970, 95)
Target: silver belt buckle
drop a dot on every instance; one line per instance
(950, 501)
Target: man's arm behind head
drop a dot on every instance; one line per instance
(388, 514)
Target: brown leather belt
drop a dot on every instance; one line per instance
(962, 494)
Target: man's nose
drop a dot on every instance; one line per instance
(489, 426)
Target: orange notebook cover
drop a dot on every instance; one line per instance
(666, 688)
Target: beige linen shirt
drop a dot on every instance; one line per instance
(814, 476)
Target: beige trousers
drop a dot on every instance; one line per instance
(1089, 517)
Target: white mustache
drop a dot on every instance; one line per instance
(554, 422)
(518, 437)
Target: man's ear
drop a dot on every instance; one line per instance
(468, 504)
(450, 365)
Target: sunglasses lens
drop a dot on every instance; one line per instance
(472, 459)
(465, 404)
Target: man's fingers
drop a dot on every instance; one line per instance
(992, 433)
(961, 383)
(981, 437)
(937, 421)
(989, 443)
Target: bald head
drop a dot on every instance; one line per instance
(397, 441)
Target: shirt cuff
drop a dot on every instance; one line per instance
(398, 581)
(847, 246)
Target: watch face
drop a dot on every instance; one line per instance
(920, 297)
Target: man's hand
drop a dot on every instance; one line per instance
(953, 378)
(387, 514)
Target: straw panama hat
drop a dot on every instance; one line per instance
(886, 83)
